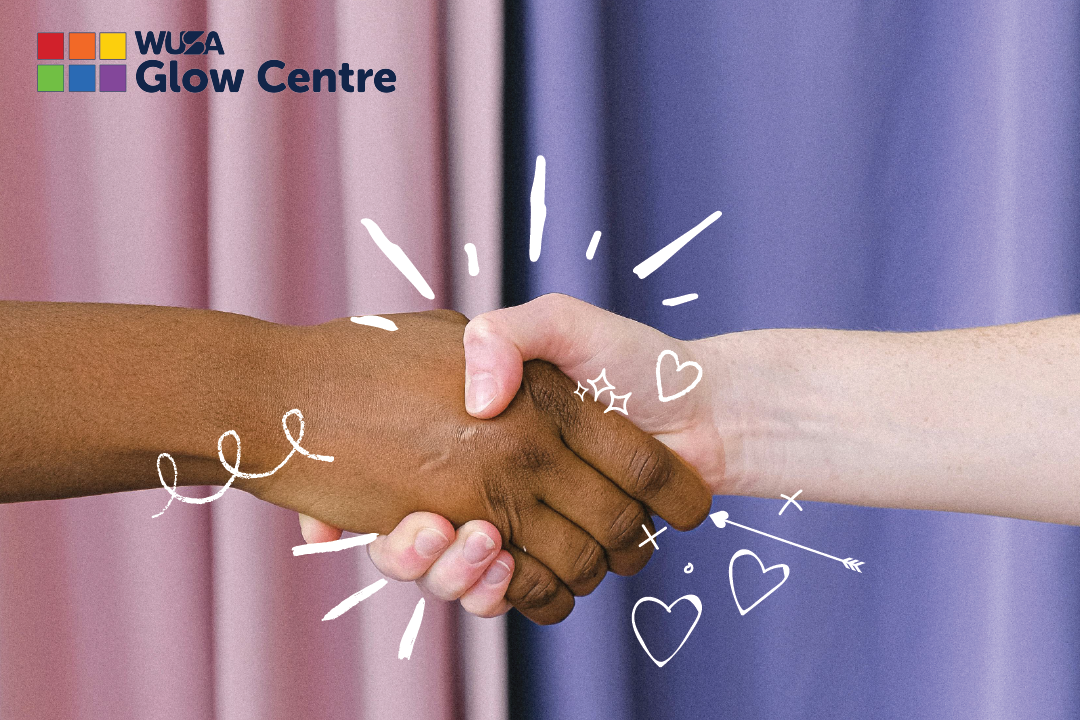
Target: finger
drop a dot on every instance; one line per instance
(645, 468)
(412, 547)
(462, 564)
(316, 531)
(487, 598)
(563, 547)
(600, 508)
(536, 592)
(557, 328)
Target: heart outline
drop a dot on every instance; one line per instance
(764, 571)
(678, 368)
(694, 600)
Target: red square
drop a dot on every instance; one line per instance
(50, 46)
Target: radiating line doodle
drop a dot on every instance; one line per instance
(679, 367)
(234, 469)
(355, 599)
(590, 252)
(408, 638)
(334, 545)
(648, 266)
(397, 256)
(474, 263)
(692, 599)
(672, 302)
(376, 322)
(538, 210)
(764, 571)
(721, 518)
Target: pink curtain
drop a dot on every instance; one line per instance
(251, 203)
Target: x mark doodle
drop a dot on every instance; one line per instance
(790, 501)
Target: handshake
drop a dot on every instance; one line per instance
(547, 487)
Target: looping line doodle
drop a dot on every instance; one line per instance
(689, 568)
(692, 599)
(764, 571)
(234, 470)
(679, 367)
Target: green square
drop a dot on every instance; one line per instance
(50, 78)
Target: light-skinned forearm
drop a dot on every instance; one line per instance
(984, 420)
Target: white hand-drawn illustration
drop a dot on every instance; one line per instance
(474, 262)
(355, 599)
(538, 210)
(580, 392)
(375, 321)
(646, 268)
(333, 545)
(721, 519)
(650, 538)
(672, 302)
(590, 252)
(692, 599)
(234, 469)
(397, 256)
(679, 367)
(611, 402)
(408, 638)
(597, 389)
(689, 568)
(790, 501)
(764, 571)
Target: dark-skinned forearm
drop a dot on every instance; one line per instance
(92, 393)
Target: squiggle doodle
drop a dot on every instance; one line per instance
(234, 470)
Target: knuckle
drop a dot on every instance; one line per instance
(589, 564)
(648, 471)
(536, 589)
(624, 529)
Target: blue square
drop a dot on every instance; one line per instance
(81, 78)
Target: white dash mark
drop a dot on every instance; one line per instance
(333, 545)
(672, 302)
(353, 600)
(474, 264)
(397, 256)
(661, 256)
(538, 208)
(591, 251)
(408, 639)
(378, 322)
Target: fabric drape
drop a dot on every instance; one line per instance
(890, 167)
(248, 202)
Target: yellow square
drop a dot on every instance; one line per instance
(113, 46)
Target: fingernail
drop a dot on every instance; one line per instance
(497, 573)
(429, 542)
(480, 391)
(478, 548)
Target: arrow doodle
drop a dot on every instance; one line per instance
(721, 518)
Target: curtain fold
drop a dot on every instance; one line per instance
(897, 167)
(247, 202)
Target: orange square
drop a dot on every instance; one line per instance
(81, 46)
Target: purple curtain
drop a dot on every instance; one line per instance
(251, 203)
(898, 166)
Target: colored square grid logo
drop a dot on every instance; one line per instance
(112, 78)
(50, 46)
(81, 46)
(50, 78)
(113, 46)
(81, 78)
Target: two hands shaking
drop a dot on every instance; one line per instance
(548, 492)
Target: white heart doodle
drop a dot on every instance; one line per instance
(694, 600)
(678, 368)
(764, 570)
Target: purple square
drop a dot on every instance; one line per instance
(112, 78)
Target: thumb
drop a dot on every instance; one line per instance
(556, 328)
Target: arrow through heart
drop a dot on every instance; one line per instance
(692, 599)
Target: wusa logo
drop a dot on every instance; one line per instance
(271, 75)
(82, 77)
